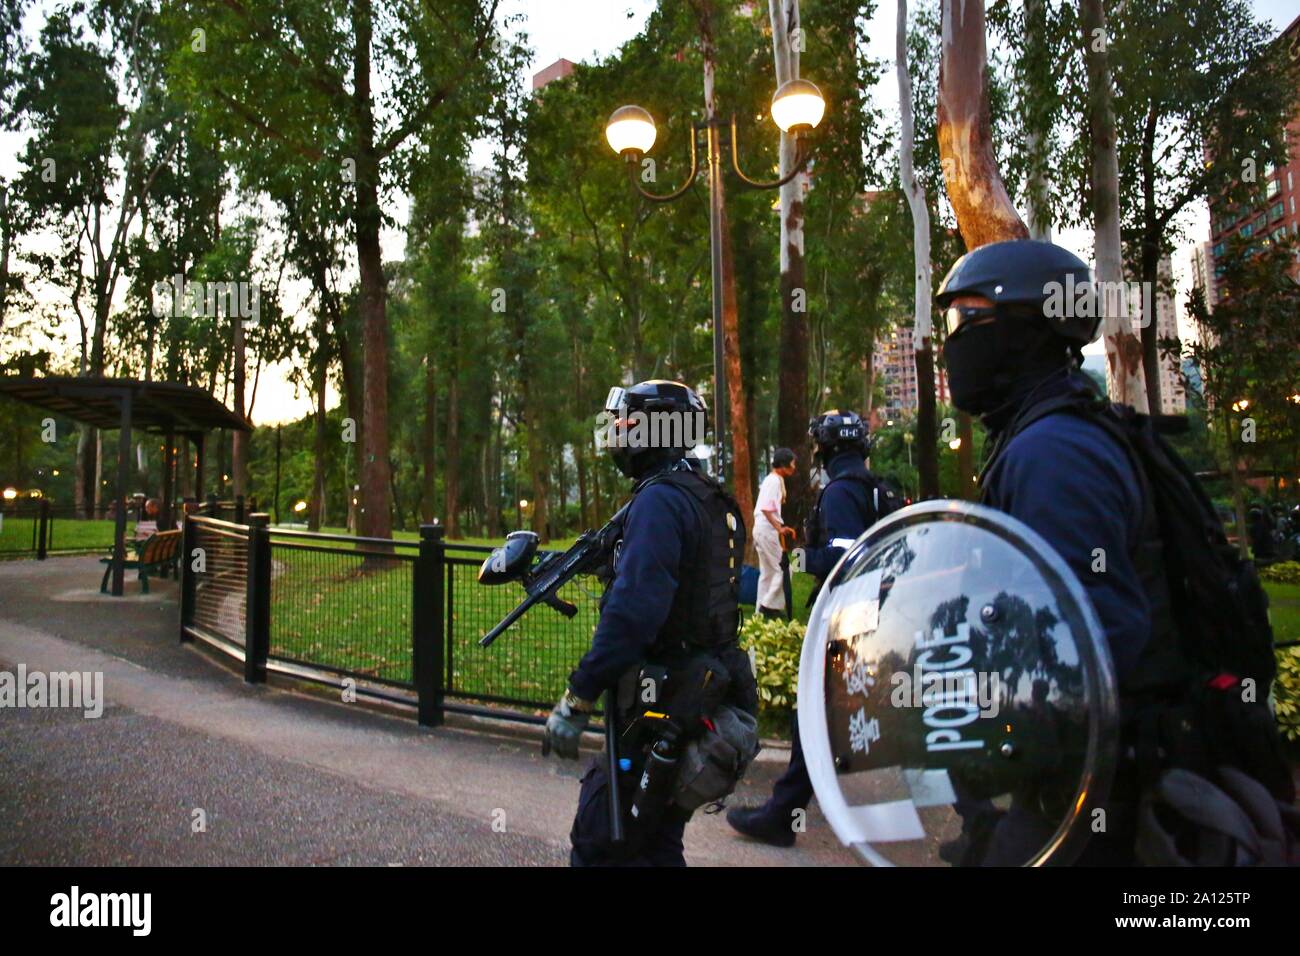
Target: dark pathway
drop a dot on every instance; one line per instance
(280, 777)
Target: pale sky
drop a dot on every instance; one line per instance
(582, 30)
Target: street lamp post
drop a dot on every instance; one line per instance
(797, 108)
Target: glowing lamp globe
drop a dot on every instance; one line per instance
(798, 106)
(630, 130)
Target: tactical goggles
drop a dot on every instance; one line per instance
(955, 316)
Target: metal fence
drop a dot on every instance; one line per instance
(217, 588)
(396, 620)
(41, 527)
(20, 524)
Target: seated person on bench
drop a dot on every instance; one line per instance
(147, 525)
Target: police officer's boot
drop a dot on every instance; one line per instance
(757, 823)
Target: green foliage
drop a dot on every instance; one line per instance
(1286, 693)
(1284, 572)
(1249, 352)
(775, 646)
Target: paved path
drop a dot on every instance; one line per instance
(280, 777)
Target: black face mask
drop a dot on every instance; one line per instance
(980, 371)
(989, 365)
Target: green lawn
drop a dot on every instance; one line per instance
(354, 613)
(1284, 610)
(66, 535)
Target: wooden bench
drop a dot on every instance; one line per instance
(156, 553)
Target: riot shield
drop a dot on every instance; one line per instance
(957, 702)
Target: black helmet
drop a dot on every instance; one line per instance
(838, 430)
(1043, 277)
(650, 425)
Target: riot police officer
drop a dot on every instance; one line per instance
(1114, 699)
(850, 502)
(670, 609)
(1017, 315)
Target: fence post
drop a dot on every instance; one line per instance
(257, 600)
(42, 530)
(189, 538)
(212, 506)
(427, 631)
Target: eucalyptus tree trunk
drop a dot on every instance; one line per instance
(1124, 380)
(922, 334)
(1037, 139)
(792, 360)
(738, 415)
(984, 211)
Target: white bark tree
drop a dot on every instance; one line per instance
(922, 331)
(792, 400)
(1124, 377)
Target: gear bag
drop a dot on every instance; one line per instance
(1196, 709)
(713, 763)
(883, 500)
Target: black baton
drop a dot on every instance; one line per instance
(611, 750)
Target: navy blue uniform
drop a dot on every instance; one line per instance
(845, 511)
(1070, 481)
(1073, 483)
(660, 527)
(660, 533)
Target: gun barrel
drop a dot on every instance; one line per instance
(520, 610)
(552, 572)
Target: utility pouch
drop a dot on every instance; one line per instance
(712, 764)
(642, 688)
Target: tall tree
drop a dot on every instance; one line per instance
(984, 210)
(297, 80)
(792, 396)
(922, 330)
(1202, 99)
(1124, 380)
(87, 168)
(738, 426)
(1248, 358)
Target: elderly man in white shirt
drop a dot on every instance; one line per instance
(768, 533)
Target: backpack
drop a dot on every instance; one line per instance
(1188, 718)
(883, 499)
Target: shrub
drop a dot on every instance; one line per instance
(1286, 693)
(1284, 572)
(774, 646)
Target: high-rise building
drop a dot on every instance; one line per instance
(1203, 273)
(1172, 399)
(1275, 211)
(894, 360)
(556, 71)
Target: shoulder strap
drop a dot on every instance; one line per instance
(1088, 406)
(872, 487)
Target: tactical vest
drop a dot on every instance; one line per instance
(705, 613)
